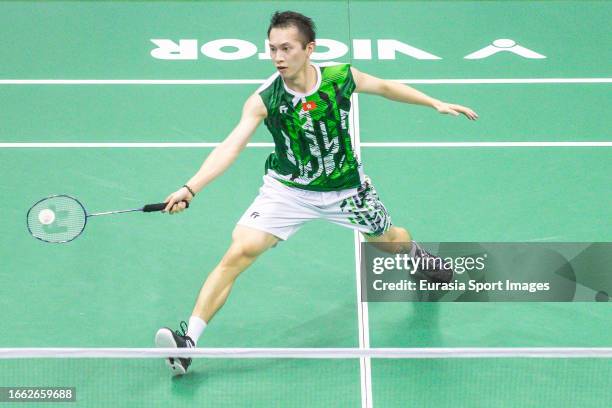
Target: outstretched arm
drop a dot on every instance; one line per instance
(398, 92)
(253, 112)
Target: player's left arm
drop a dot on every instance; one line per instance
(403, 93)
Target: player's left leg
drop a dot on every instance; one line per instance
(395, 240)
(365, 212)
(398, 240)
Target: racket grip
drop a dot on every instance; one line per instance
(158, 207)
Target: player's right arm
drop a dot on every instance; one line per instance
(253, 112)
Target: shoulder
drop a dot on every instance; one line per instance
(254, 106)
(336, 72)
(268, 83)
(332, 66)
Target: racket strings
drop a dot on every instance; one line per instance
(67, 222)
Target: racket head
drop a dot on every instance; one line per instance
(57, 219)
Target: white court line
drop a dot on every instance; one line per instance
(365, 367)
(260, 81)
(486, 144)
(120, 145)
(130, 81)
(310, 353)
(26, 145)
(507, 81)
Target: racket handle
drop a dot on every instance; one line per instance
(158, 207)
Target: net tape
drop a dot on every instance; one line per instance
(310, 353)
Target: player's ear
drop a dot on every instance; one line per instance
(310, 48)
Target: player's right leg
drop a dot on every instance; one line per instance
(276, 213)
(247, 244)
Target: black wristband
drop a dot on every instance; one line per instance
(190, 190)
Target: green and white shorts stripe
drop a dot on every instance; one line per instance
(282, 210)
(365, 209)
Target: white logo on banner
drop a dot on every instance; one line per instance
(236, 49)
(504, 45)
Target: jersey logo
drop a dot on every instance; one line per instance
(254, 214)
(308, 106)
(283, 109)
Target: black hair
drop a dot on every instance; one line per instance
(305, 25)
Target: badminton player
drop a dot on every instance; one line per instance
(313, 172)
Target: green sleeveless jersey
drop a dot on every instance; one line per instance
(313, 148)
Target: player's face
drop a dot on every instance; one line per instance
(288, 55)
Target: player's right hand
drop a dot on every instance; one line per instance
(175, 201)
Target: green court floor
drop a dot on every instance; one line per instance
(128, 275)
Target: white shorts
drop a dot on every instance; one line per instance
(282, 210)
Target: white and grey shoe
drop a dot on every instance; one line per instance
(433, 267)
(174, 339)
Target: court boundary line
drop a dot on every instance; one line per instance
(308, 353)
(488, 144)
(365, 367)
(442, 81)
(67, 145)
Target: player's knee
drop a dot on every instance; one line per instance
(402, 235)
(251, 243)
(247, 249)
(248, 245)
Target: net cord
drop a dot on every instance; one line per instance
(309, 353)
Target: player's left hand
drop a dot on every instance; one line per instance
(455, 110)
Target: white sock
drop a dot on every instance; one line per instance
(195, 328)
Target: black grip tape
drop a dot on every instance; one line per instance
(158, 207)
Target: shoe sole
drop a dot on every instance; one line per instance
(165, 339)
